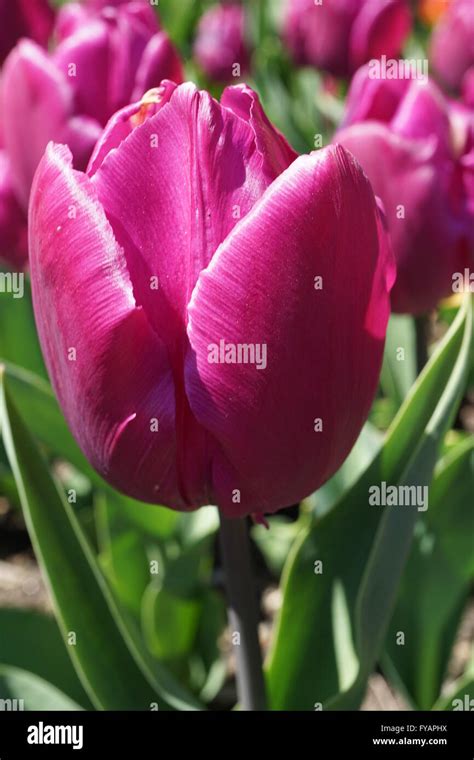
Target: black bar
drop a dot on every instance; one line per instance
(312, 735)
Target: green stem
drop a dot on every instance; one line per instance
(422, 326)
(243, 613)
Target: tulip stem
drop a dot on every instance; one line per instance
(422, 326)
(243, 613)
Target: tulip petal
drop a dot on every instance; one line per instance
(123, 122)
(108, 366)
(318, 219)
(275, 150)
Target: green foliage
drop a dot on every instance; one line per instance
(335, 615)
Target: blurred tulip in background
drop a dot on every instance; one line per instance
(338, 36)
(452, 45)
(102, 61)
(417, 150)
(220, 42)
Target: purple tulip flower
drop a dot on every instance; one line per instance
(102, 61)
(338, 36)
(220, 42)
(193, 275)
(417, 150)
(452, 45)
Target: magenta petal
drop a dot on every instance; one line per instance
(123, 122)
(198, 163)
(275, 150)
(35, 93)
(116, 130)
(108, 366)
(318, 219)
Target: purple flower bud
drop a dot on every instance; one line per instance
(220, 47)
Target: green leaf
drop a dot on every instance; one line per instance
(118, 678)
(362, 454)
(399, 364)
(158, 522)
(122, 554)
(362, 549)
(461, 693)
(169, 622)
(435, 583)
(275, 542)
(36, 402)
(179, 25)
(198, 526)
(47, 657)
(207, 663)
(18, 337)
(20, 690)
(451, 512)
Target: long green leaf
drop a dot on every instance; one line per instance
(21, 690)
(344, 571)
(37, 404)
(32, 641)
(104, 655)
(399, 363)
(435, 584)
(18, 337)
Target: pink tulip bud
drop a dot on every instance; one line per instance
(417, 150)
(213, 311)
(102, 61)
(452, 45)
(220, 47)
(338, 36)
(24, 18)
